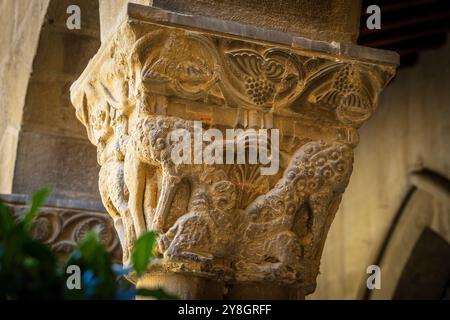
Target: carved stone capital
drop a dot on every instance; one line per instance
(161, 71)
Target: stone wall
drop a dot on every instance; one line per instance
(19, 35)
(110, 10)
(52, 148)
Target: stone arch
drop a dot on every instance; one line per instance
(52, 149)
(424, 219)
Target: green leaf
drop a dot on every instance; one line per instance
(98, 277)
(143, 252)
(6, 220)
(159, 294)
(37, 201)
(91, 254)
(89, 245)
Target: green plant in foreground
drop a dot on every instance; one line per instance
(29, 269)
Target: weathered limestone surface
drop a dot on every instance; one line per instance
(226, 223)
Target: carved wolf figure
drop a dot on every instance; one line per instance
(318, 173)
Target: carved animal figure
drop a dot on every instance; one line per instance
(206, 232)
(205, 229)
(318, 173)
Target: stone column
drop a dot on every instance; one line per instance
(226, 230)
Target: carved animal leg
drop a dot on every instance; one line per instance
(112, 191)
(125, 232)
(104, 188)
(150, 194)
(284, 247)
(321, 218)
(118, 225)
(130, 238)
(168, 190)
(134, 173)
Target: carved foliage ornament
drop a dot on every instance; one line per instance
(195, 66)
(63, 228)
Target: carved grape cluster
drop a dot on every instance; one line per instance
(260, 90)
(346, 81)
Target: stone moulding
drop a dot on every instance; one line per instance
(162, 70)
(62, 223)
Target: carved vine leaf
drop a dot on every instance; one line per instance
(352, 101)
(350, 90)
(194, 66)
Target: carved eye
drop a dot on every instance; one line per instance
(278, 204)
(223, 186)
(321, 161)
(222, 203)
(313, 185)
(160, 144)
(162, 124)
(340, 167)
(327, 173)
(311, 173)
(300, 186)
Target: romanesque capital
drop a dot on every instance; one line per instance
(226, 221)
